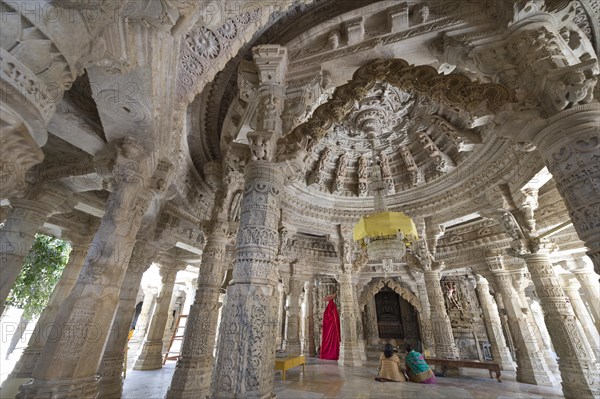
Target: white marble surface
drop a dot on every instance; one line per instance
(325, 379)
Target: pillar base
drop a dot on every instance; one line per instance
(111, 382)
(21, 374)
(151, 356)
(293, 348)
(506, 362)
(80, 388)
(580, 380)
(362, 352)
(536, 372)
(11, 385)
(192, 379)
(349, 355)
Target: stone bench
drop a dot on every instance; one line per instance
(288, 362)
(471, 364)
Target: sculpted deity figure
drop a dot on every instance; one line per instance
(347, 252)
(511, 226)
(452, 295)
(362, 167)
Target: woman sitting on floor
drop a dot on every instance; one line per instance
(389, 366)
(417, 368)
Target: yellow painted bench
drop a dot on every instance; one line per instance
(286, 363)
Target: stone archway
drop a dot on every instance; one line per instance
(372, 328)
(376, 285)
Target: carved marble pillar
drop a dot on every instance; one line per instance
(571, 288)
(176, 307)
(589, 285)
(493, 326)
(372, 322)
(293, 316)
(425, 320)
(504, 320)
(360, 334)
(569, 145)
(151, 356)
(279, 340)
(579, 371)
(45, 328)
(531, 366)
(445, 347)
(193, 371)
(18, 233)
(111, 367)
(67, 365)
(141, 328)
(308, 349)
(349, 351)
(520, 280)
(244, 367)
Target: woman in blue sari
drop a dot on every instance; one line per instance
(417, 368)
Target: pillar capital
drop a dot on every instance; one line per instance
(271, 61)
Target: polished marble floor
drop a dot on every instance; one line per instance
(325, 379)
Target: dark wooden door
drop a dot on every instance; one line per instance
(389, 317)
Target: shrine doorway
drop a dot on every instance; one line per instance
(396, 318)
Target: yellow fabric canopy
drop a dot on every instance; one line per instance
(384, 224)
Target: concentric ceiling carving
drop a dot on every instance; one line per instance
(412, 139)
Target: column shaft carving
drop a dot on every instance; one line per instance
(520, 281)
(44, 328)
(570, 145)
(589, 285)
(504, 320)
(425, 320)
(531, 366)
(373, 339)
(445, 347)
(68, 365)
(293, 316)
(151, 356)
(141, 328)
(579, 371)
(280, 317)
(194, 368)
(349, 353)
(111, 367)
(308, 348)
(572, 290)
(244, 368)
(493, 326)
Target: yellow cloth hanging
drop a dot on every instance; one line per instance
(384, 224)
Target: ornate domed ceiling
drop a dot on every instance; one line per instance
(413, 140)
(433, 158)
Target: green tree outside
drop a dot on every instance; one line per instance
(43, 267)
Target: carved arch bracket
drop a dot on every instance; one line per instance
(375, 286)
